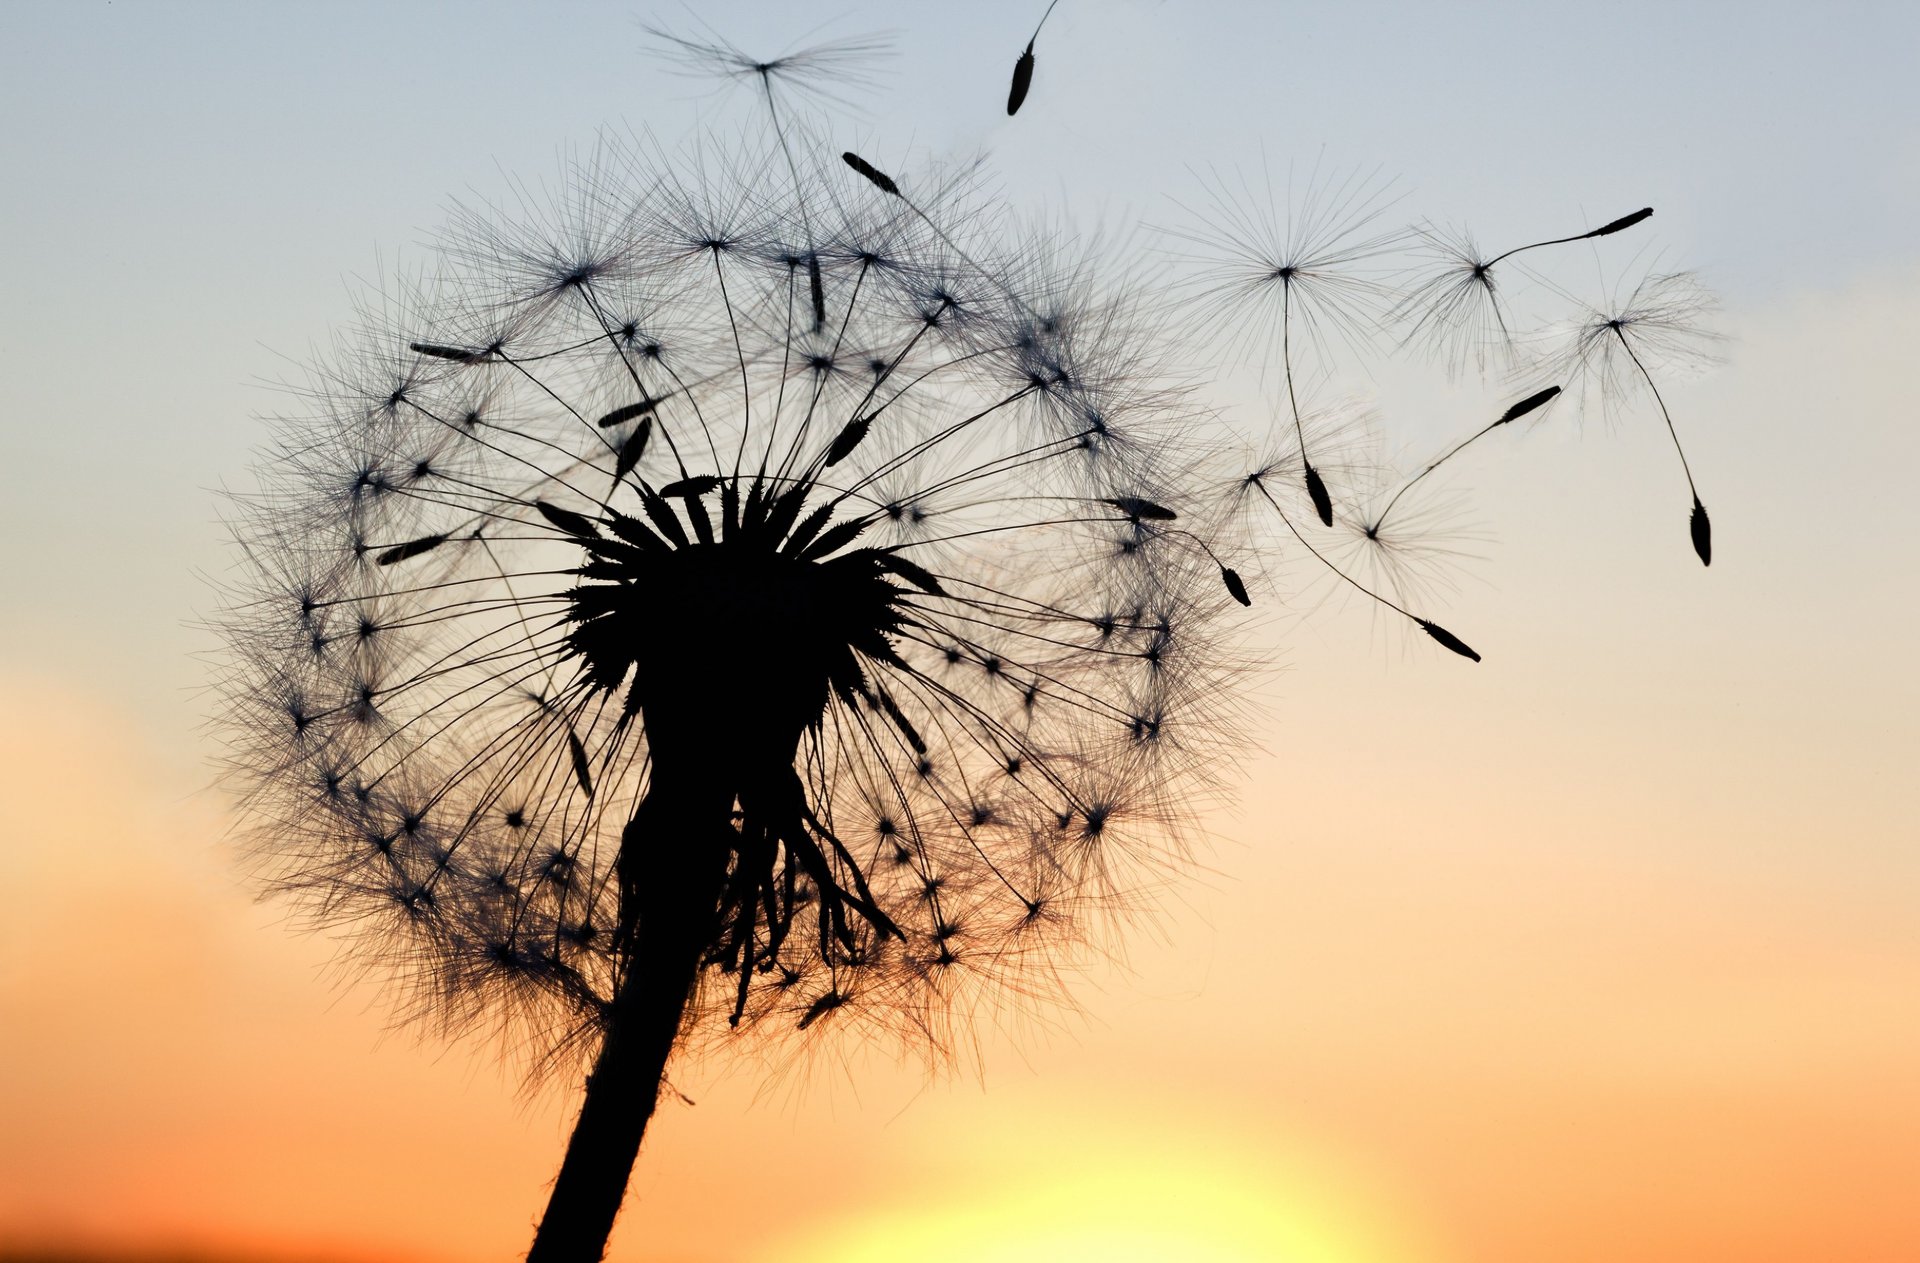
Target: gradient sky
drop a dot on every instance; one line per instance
(1603, 950)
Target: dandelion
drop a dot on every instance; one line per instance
(724, 605)
(1309, 256)
(1458, 308)
(1612, 350)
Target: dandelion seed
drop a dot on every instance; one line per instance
(1440, 634)
(1310, 256)
(1612, 351)
(1458, 308)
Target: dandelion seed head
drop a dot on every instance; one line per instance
(593, 514)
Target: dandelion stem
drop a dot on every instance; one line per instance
(642, 1023)
(1664, 414)
(1042, 22)
(1316, 487)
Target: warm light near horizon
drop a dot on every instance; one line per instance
(1100, 1194)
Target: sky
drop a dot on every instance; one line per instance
(1603, 949)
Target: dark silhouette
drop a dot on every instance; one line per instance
(1023, 68)
(681, 629)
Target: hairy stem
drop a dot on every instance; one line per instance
(670, 920)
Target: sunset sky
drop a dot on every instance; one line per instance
(1606, 949)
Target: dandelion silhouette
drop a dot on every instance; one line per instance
(749, 597)
(1608, 353)
(1023, 68)
(1458, 308)
(1308, 258)
(733, 605)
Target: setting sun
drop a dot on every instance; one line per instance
(1095, 1190)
